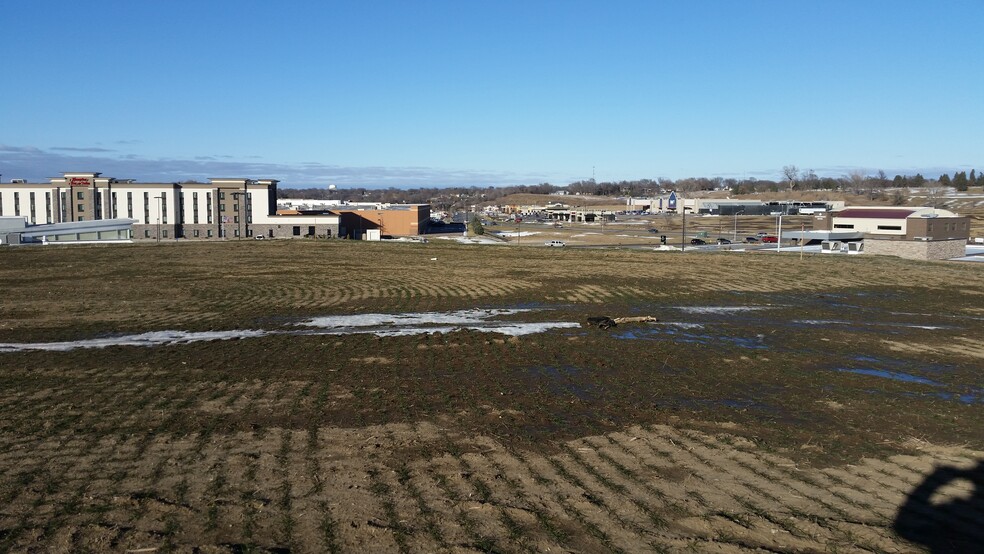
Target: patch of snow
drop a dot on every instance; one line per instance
(720, 309)
(517, 233)
(154, 338)
(460, 317)
(383, 325)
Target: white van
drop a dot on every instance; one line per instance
(555, 243)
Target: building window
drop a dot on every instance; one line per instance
(114, 206)
(208, 233)
(195, 233)
(843, 225)
(311, 231)
(47, 207)
(194, 207)
(235, 219)
(221, 207)
(34, 217)
(16, 203)
(1, 203)
(889, 227)
(164, 207)
(80, 195)
(146, 208)
(81, 218)
(221, 195)
(164, 233)
(64, 206)
(129, 205)
(235, 232)
(146, 233)
(97, 206)
(208, 207)
(297, 230)
(80, 208)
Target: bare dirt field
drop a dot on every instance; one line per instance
(301, 396)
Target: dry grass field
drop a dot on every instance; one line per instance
(347, 397)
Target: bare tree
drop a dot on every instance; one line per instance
(856, 180)
(790, 172)
(936, 195)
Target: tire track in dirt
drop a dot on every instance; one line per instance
(422, 488)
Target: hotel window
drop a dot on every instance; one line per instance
(235, 232)
(221, 207)
(64, 206)
(97, 205)
(80, 208)
(235, 207)
(33, 212)
(80, 195)
(47, 207)
(164, 233)
(208, 207)
(221, 196)
(129, 205)
(208, 233)
(146, 208)
(1, 203)
(195, 233)
(194, 208)
(113, 207)
(235, 219)
(146, 233)
(16, 203)
(164, 208)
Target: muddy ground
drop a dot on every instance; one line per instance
(778, 404)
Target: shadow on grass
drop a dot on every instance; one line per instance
(951, 526)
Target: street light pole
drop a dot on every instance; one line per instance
(779, 234)
(683, 232)
(160, 208)
(735, 236)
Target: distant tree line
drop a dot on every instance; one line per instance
(856, 182)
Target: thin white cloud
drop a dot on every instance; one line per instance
(37, 164)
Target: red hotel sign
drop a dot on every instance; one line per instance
(79, 181)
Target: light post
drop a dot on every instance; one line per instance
(779, 233)
(736, 214)
(160, 208)
(683, 232)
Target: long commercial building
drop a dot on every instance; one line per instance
(220, 208)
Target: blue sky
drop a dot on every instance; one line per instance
(437, 93)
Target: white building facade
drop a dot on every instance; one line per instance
(220, 208)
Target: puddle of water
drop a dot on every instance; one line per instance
(897, 363)
(678, 333)
(894, 375)
(975, 397)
